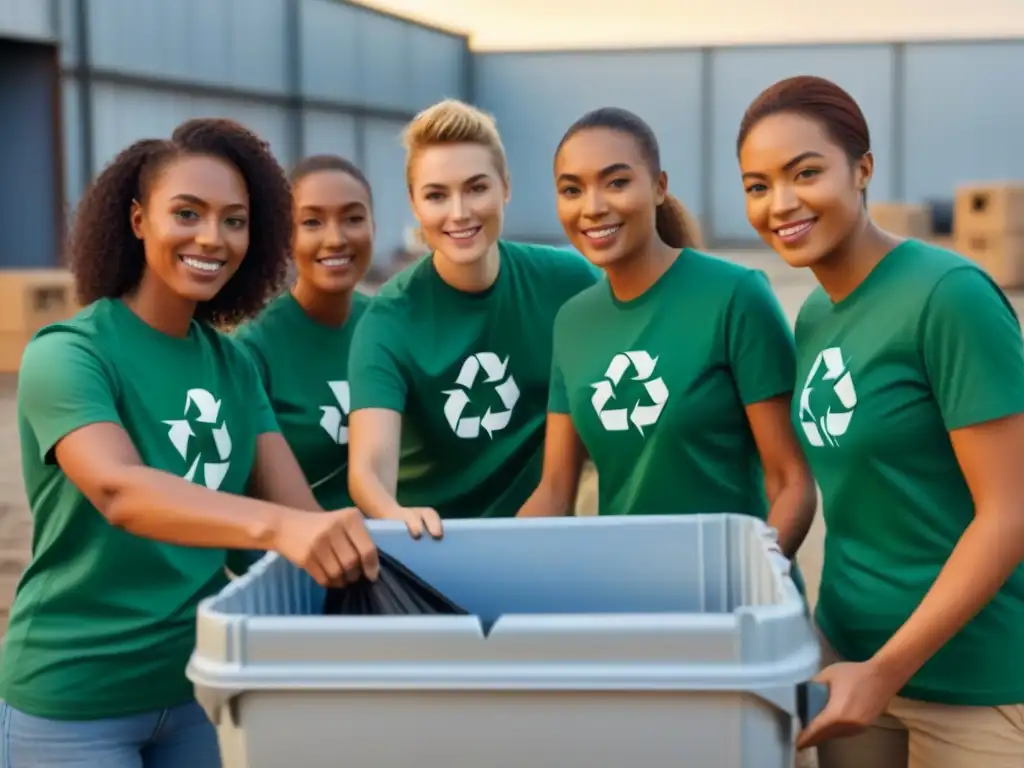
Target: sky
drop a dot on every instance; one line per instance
(533, 24)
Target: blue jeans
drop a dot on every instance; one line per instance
(182, 737)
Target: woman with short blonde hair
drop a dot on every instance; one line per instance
(449, 367)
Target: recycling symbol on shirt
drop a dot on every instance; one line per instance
(493, 369)
(334, 418)
(641, 416)
(828, 428)
(202, 408)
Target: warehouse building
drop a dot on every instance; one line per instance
(80, 79)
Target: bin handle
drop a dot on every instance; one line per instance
(811, 698)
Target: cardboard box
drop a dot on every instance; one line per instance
(903, 219)
(944, 241)
(12, 345)
(993, 208)
(999, 254)
(30, 299)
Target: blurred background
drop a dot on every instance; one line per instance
(941, 83)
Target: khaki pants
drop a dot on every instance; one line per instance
(918, 734)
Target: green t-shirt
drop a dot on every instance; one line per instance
(656, 386)
(104, 622)
(469, 374)
(925, 345)
(304, 368)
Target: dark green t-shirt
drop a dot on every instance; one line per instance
(925, 345)
(657, 386)
(469, 374)
(304, 368)
(103, 623)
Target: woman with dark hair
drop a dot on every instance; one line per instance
(911, 412)
(676, 373)
(141, 429)
(301, 341)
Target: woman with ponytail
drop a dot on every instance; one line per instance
(675, 374)
(149, 449)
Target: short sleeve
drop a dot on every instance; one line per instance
(63, 386)
(266, 419)
(248, 343)
(262, 410)
(558, 398)
(972, 349)
(761, 350)
(376, 377)
(581, 274)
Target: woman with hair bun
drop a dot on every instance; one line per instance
(675, 373)
(148, 450)
(911, 412)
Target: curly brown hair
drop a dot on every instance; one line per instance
(108, 260)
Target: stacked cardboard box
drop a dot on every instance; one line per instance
(30, 299)
(903, 219)
(988, 228)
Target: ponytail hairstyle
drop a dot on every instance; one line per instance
(108, 260)
(675, 225)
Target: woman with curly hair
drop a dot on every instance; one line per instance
(141, 429)
(307, 380)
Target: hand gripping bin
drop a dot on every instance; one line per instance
(618, 642)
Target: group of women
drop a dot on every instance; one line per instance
(156, 445)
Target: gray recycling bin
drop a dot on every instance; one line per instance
(632, 641)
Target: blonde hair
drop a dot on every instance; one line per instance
(453, 122)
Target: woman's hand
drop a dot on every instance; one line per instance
(418, 520)
(333, 547)
(858, 694)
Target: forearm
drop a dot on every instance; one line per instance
(555, 495)
(792, 513)
(547, 501)
(373, 490)
(157, 505)
(984, 558)
(278, 477)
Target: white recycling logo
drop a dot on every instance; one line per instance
(181, 432)
(494, 369)
(833, 424)
(640, 416)
(333, 418)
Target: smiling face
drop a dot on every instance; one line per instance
(194, 224)
(458, 196)
(607, 195)
(804, 195)
(333, 243)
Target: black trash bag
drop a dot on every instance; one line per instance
(396, 592)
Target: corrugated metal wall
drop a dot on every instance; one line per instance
(310, 76)
(329, 76)
(940, 114)
(536, 96)
(25, 21)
